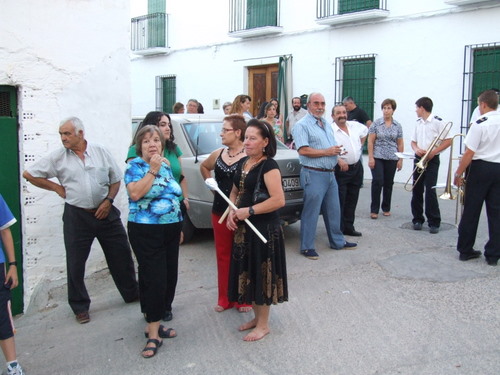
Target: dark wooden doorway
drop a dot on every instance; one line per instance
(262, 85)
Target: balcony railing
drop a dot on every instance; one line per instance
(149, 34)
(249, 18)
(332, 12)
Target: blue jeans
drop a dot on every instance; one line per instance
(321, 195)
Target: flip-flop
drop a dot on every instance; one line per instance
(153, 349)
(163, 333)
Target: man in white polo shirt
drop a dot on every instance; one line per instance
(349, 169)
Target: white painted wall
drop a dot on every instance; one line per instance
(66, 58)
(419, 52)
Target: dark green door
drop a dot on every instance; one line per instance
(9, 178)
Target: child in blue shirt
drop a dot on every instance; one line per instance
(7, 282)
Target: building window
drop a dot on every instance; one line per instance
(481, 72)
(326, 9)
(355, 77)
(349, 6)
(251, 15)
(261, 13)
(165, 93)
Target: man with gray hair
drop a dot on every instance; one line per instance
(192, 106)
(89, 180)
(318, 153)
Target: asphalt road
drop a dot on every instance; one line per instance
(401, 303)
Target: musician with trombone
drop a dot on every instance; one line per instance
(429, 139)
(482, 154)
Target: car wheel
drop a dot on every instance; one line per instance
(188, 229)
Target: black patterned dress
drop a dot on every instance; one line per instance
(258, 270)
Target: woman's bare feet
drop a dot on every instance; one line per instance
(219, 308)
(256, 334)
(244, 309)
(248, 325)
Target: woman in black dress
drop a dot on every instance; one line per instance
(258, 270)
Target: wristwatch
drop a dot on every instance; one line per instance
(251, 211)
(111, 200)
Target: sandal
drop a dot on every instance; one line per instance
(163, 333)
(387, 213)
(153, 349)
(373, 216)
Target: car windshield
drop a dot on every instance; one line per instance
(204, 137)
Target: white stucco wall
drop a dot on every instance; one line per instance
(419, 51)
(67, 58)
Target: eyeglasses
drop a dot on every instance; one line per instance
(224, 130)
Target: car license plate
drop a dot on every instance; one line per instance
(291, 183)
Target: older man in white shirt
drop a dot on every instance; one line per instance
(349, 170)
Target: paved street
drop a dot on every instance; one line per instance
(401, 303)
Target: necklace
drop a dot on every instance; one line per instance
(232, 156)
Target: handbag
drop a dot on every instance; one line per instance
(260, 194)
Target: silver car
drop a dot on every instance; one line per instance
(197, 135)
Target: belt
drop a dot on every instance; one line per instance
(352, 166)
(318, 169)
(91, 210)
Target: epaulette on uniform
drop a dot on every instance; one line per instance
(482, 119)
(438, 118)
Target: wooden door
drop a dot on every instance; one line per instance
(262, 85)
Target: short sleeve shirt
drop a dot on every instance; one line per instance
(86, 181)
(6, 221)
(160, 205)
(352, 141)
(427, 130)
(308, 132)
(483, 138)
(386, 141)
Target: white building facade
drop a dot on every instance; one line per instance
(371, 50)
(57, 59)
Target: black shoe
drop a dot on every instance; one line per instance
(350, 246)
(417, 226)
(471, 255)
(353, 233)
(168, 316)
(491, 261)
(433, 230)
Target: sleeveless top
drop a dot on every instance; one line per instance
(224, 176)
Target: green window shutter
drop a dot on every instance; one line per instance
(486, 70)
(156, 23)
(358, 81)
(350, 6)
(168, 93)
(262, 13)
(157, 6)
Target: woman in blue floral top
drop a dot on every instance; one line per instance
(154, 227)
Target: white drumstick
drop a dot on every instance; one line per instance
(212, 184)
(224, 215)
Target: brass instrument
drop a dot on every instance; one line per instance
(421, 165)
(448, 192)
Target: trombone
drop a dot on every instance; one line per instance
(421, 165)
(448, 192)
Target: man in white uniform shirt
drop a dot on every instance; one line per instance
(89, 180)
(482, 158)
(427, 128)
(349, 169)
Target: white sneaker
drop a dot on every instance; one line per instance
(15, 369)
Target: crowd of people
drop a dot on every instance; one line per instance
(249, 240)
